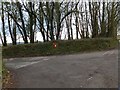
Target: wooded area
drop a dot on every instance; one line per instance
(87, 19)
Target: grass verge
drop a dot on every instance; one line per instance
(0, 74)
(7, 81)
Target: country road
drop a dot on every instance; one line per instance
(87, 70)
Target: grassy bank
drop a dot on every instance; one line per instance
(0, 66)
(6, 78)
(0, 74)
(63, 47)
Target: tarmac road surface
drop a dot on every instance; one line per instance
(87, 70)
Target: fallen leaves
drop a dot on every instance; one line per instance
(6, 81)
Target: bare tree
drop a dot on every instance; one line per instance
(4, 41)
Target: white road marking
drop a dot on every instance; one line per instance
(81, 86)
(108, 52)
(24, 58)
(105, 52)
(89, 78)
(25, 64)
(36, 58)
(112, 52)
(45, 59)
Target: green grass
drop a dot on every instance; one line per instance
(63, 47)
(0, 60)
(0, 66)
(0, 74)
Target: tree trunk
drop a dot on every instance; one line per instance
(31, 23)
(3, 28)
(23, 25)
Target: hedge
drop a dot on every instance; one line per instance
(63, 47)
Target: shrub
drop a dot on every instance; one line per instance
(63, 47)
